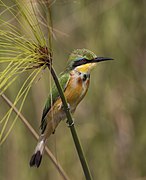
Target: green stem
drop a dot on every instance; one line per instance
(72, 127)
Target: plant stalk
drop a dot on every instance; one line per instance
(36, 136)
(71, 126)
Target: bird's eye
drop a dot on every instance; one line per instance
(79, 62)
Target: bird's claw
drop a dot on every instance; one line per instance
(68, 107)
(70, 124)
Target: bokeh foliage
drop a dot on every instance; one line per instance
(111, 119)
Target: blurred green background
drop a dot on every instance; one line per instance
(111, 120)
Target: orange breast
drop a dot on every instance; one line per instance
(76, 90)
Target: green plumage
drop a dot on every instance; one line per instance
(79, 54)
(63, 80)
(75, 89)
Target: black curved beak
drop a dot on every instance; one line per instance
(99, 59)
(87, 61)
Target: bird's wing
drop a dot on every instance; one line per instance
(63, 80)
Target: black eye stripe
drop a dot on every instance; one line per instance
(80, 62)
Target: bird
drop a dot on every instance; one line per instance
(74, 81)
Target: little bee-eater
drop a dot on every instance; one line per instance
(74, 82)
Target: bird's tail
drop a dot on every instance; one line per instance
(37, 156)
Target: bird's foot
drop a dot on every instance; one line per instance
(62, 107)
(70, 124)
(68, 106)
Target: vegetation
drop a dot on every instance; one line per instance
(110, 120)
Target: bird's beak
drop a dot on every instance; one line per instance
(99, 59)
(92, 63)
(86, 65)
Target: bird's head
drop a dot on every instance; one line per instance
(83, 60)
